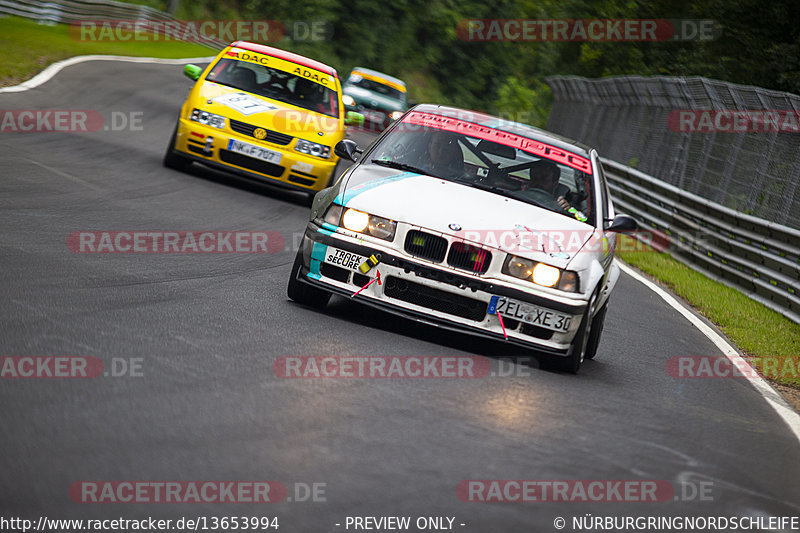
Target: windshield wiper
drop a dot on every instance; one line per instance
(399, 166)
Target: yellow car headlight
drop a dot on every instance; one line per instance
(315, 149)
(208, 119)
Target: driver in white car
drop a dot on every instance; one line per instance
(544, 176)
(445, 157)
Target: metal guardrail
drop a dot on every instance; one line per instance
(636, 120)
(757, 257)
(66, 11)
(73, 11)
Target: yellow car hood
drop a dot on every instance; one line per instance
(265, 112)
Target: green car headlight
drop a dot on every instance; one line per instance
(348, 100)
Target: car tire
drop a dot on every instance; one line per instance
(597, 329)
(303, 293)
(172, 159)
(572, 363)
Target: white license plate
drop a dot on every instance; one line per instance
(257, 152)
(530, 314)
(343, 258)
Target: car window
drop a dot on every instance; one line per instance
(356, 80)
(275, 84)
(496, 167)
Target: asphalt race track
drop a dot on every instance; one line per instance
(203, 332)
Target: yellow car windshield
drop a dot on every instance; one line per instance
(275, 84)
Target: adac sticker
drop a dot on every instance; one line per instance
(313, 75)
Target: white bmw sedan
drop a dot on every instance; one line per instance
(473, 223)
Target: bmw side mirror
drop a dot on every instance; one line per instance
(347, 149)
(353, 118)
(623, 224)
(192, 71)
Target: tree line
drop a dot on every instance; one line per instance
(426, 43)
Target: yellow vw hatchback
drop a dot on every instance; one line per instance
(263, 113)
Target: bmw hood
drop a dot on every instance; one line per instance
(467, 213)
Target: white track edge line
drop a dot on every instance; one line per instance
(773, 398)
(55, 68)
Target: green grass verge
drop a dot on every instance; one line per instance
(28, 47)
(771, 339)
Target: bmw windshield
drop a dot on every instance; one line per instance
(490, 159)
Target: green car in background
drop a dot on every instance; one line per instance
(381, 98)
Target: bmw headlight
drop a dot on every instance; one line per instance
(333, 215)
(545, 275)
(355, 220)
(394, 115)
(541, 273)
(208, 119)
(348, 100)
(361, 222)
(382, 228)
(317, 150)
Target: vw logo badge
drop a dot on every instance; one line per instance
(454, 227)
(259, 133)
